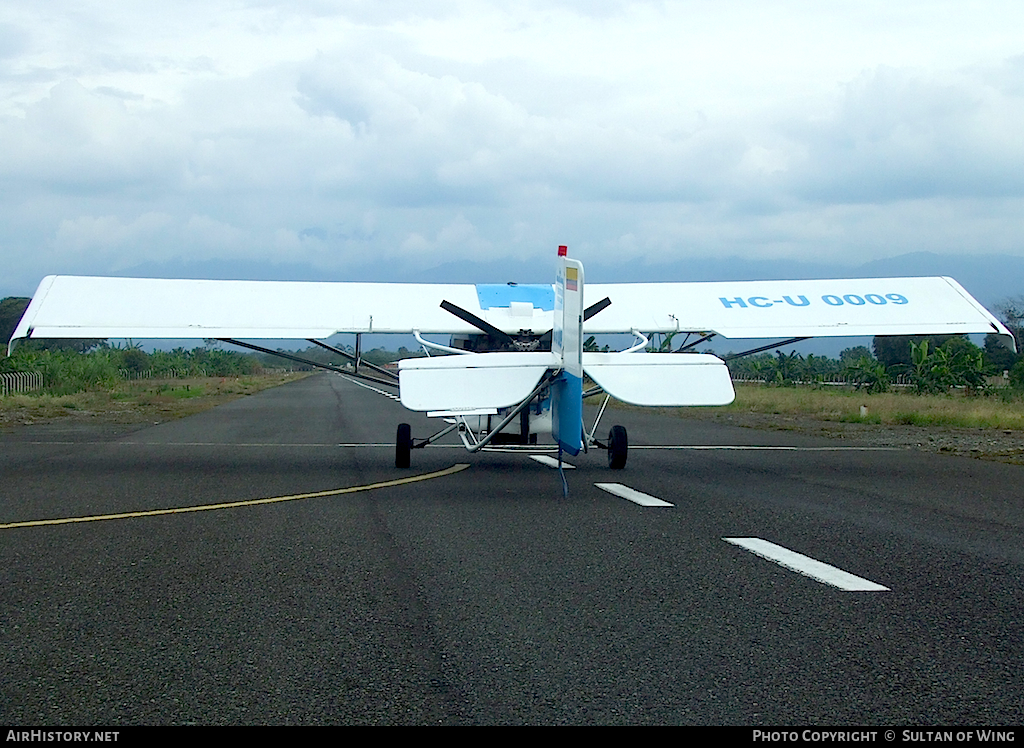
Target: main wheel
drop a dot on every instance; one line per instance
(403, 445)
(618, 448)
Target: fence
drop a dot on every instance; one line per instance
(833, 380)
(130, 375)
(12, 383)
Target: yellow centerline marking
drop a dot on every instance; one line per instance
(248, 502)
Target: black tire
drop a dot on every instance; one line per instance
(403, 445)
(618, 448)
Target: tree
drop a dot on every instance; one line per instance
(133, 358)
(1011, 312)
(868, 374)
(850, 356)
(998, 357)
(895, 350)
(957, 363)
(11, 310)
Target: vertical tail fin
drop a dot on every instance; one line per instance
(567, 344)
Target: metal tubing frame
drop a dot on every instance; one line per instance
(436, 346)
(481, 443)
(593, 430)
(433, 438)
(643, 344)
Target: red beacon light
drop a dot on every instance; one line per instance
(563, 251)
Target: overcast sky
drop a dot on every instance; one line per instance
(420, 132)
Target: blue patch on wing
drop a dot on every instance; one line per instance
(502, 295)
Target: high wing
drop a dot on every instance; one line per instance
(806, 308)
(92, 307)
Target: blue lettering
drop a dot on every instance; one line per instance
(874, 298)
(832, 300)
(896, 298)
(803, 301)
(735, 302)
(759, 301)
(852, 298)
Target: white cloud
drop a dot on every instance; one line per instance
(328, 133)
(458, 238)
(906, 135)
(76, 139)
(107, 240)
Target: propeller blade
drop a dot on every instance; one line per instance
(478, 323)
(593, 309)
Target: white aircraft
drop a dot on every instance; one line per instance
(515, 367)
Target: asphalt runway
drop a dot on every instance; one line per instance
(483, 596)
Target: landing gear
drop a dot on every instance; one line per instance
(403, 445)
(618, 448)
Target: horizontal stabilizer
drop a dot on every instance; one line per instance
(464, 383)
(661, 379)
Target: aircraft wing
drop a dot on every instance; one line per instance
(805, 308)
(92, 307)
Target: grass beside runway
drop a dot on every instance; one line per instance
(141, 401)
(1003, 411)
(893, 408)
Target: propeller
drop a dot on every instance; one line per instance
(593, 309)
(480, 324)
(502, 336)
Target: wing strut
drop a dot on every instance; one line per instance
(350, 357)
(308, 362)
(762, 348)
(685, 346)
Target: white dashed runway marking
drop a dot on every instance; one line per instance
(806, 565)
(552, 462)
(389, 395)
(633, 495)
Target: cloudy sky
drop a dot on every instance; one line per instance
(332, 134)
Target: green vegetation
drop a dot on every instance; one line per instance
(11, 310)
(905, 380)
(139, 401)
(1001, 411)
(927, 364)
(65, 371)
(128, 385)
